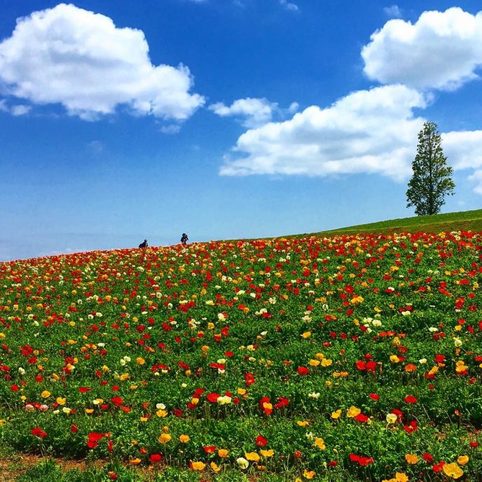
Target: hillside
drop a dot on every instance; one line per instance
(341, 358)
(458, 221)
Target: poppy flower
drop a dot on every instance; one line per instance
(261, 441)
(38, 432)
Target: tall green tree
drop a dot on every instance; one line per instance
(432, 176)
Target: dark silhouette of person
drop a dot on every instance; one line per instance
(143, 244)
(184, 239)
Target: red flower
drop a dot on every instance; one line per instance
(410, 399)
(411, 427)
(261, 441)
(94, 438)
(38, 432)
(361, 460)
(374, 396)
(209, 449)
(361, 418)
(117, 401)
(213, 397)
(303, 371)
(74, 428)
(428, 458)
(155, 458)
(249, 379)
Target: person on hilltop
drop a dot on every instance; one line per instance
(184, 239)
(143, 244)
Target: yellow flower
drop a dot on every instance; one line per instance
(353, 412)
(161, 413)
(336, 414)
(45, 394)
(320, 443)
(252, 456)
(326, 362)
(411, 459)
(453, 471)
(302, 423)
(309, 474)
(164, 438)
(401, 477)
(463, 459)
(391, 418)
(135, 461)
(314, 363)
(215, 467)
(60, 400)
(184, 438)
(223, 453)
(199, 466)
(140, 360)
(241, 391)
(306, 334)
(267, 453)
(89, 411)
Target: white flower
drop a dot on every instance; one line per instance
(422, 361)
(458, 342)
(242, 462)
(314, 395)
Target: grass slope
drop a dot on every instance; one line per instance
(465, 220)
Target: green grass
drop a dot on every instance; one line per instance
(464, 220)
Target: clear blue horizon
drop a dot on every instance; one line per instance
(225, 119)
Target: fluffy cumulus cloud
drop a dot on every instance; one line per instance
(370, 131)
(81, 60)
(463, 149)
(442, 50)
(253, 112)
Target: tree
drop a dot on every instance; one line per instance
(432, 176)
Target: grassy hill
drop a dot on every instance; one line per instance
(464, 220)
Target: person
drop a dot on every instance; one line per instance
(184, 239)
(143, 244)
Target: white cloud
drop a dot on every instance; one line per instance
(373, 131)
(254, 112)
(393, 11)
(170, 129)
(81, 60)
(442, 50)
(292, 7)
(463, 149)
(476, 178)
(18, 110)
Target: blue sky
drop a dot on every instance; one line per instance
(127, 120)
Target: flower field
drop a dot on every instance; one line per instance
(341, 358)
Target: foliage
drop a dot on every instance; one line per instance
(340, 358)
(432, 177)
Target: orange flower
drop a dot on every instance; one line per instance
(463, 459)
(411, 459)
(410, 367)
(223, 453)
(199, 466)
(184, 438)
